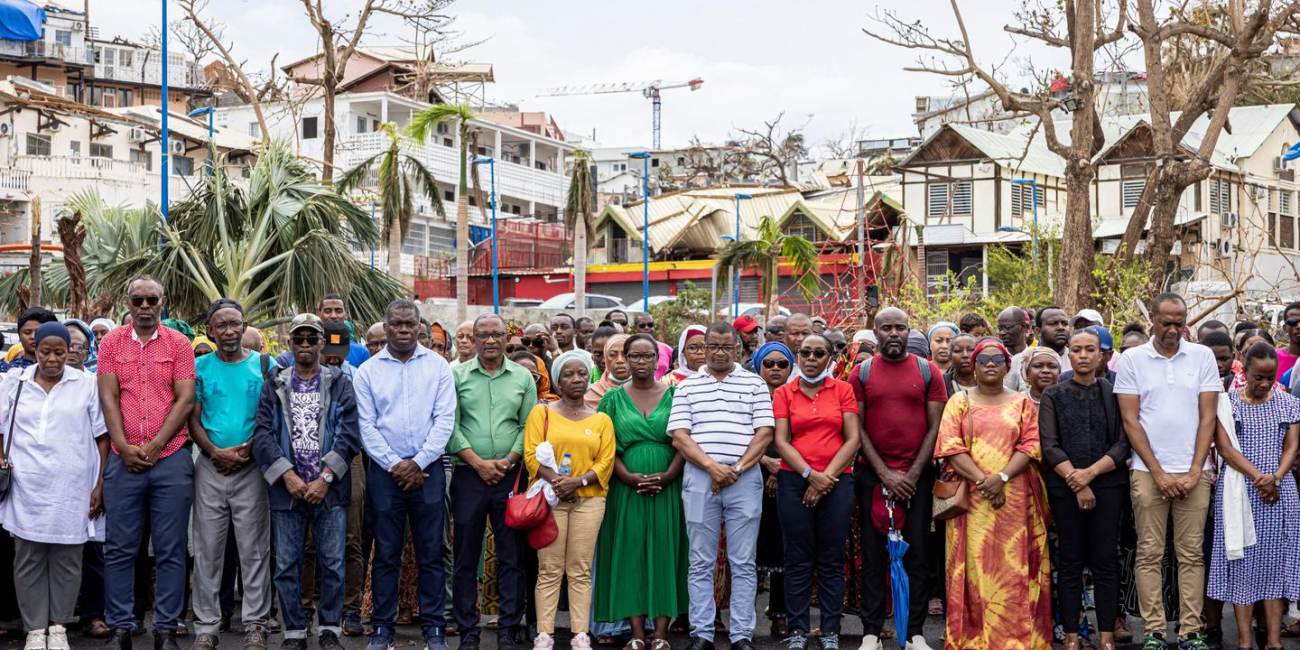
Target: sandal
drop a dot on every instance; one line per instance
(1292, 630)
(779, 629)
(607, 640)
(936, 607)
(660, 644)
(635, 644)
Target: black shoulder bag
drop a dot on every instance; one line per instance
(6, 472)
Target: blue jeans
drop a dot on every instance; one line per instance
(740, 506)
(329, 529)
(423, 510)
(162, 494)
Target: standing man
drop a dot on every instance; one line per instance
(1168, 391)
(332, 309)
(1087, 318)
(146, 386)
(494, 396)
(228, 491)
(748, 328)
(902, 411)
(1013, 330)
(775, 329)
(722, 422)
(464, 342)
(585, 327)
(406, 403)
(375, 340)
(565, 330)
(617, 316)
(305, 436)
(797, 328)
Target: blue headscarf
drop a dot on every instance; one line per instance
(769, 348)
(55, 329)
(92, 348)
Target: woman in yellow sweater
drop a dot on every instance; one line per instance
(576, 431)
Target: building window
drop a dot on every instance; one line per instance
(254, 131)
(361, 124)
(654, 162)
(1022, 198)
(1131, 193)
(110, 98)
(101, 150)
(125, 97)
(96, 96)
(74, 149)
(38, 145)
(182, 166)
(802, 226)
(936, 199)
(144, 157)
(1284, 201)
(309, 128)
(63, 37)
(1220, 197)
(962, 198)
(936, 272)
(1286, 232)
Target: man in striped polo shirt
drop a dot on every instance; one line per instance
(721, 423)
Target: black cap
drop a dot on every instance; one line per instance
(338, 339)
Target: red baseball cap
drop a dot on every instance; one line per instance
(746, 324)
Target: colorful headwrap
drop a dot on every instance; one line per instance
(544, 392)
(769, 348)
(990, 341)
(436, 330)
(941, 325)
(92, 347)
(180, 326)
(1033, 353)
(203, 340)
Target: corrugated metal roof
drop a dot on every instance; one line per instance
(1008, 150)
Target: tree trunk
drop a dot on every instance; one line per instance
(580, 266)
(327, 170)
(395, 249)
(72, 234)
(34, 292)
(462, 258)
(1074, 269)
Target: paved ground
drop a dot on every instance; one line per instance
(409, 637)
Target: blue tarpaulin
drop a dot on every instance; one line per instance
(21, 20)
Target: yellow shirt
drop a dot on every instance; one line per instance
(15, 351)
(589, 442)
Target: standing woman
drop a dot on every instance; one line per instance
(1040, 368)
(817, 436)
(617, 372)
(998, 574)
(642, 547)
(773, 361)
(570, 427)
(1085, 447)
(690, 355)
(961, 374)
(58, 446)
(940, 336)
(1268, 571)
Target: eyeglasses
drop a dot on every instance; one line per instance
(776, 363)
(642, 357)
(695, 348)
(985, 359)
(152, 301)
(813, 354)
(711, 348)
(483, 336)
(537, 376)
(77, 348)
(306, 340)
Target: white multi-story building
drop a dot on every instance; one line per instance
(530, 168)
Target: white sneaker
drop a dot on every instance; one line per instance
(870, 642)
(57, 639)
(580, 641)
(36, 640)
(543, 641)
(917, 643)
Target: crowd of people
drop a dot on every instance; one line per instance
(378, 477)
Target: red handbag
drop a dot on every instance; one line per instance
(524, 512)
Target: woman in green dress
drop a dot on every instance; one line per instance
(644, 532)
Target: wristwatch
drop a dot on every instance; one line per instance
(806, 473)
(1005, 479)
(584, 481)
(328, 476)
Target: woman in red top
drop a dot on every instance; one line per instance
(817, 438)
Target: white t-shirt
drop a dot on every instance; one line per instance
(1169, 392)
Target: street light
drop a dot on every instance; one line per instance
(212, 144)
(1033, 184)
(166, 141)
(644, 157)
(735, 309)
(496, 281)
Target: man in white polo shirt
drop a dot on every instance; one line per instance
(1168, 392)
(721, 423)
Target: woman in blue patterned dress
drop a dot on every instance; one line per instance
(1267, 438)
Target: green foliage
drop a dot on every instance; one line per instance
(1019, 279)
(689, 307)
(951, 306)
(1120, 289)
(581, 199)
(765, 253)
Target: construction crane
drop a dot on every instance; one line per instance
(649, 89)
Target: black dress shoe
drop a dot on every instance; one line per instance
(743, 644)
(165, 640)
(699, 643)
(118, 639)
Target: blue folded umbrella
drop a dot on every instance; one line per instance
(898, 580)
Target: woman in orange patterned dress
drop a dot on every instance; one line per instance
(998, 573)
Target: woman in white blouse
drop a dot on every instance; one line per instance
(55, 442)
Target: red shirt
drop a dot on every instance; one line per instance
(895, 406)
(816, 424)
(145, 374)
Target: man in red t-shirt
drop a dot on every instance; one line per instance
(900, 416)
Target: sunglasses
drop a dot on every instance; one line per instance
(306, 340)
(645, 325)
(1292, 322)
(152, 301)
(985, 359)
(813, 354)
(776, 363)
(531, 342)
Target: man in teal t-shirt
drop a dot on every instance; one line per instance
(228, 489)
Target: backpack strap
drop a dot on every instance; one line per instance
(864, 371)
(923, 365)
(266, 367)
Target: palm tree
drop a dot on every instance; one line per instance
(424, 123)
(764, 254)
(577, 220)
(400, 177)
(276, 245)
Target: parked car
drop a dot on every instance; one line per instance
(654, 300)
(523, 302)
(594, 301)
(756, 309)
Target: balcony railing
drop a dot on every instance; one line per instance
(101, 169)
(147, 69)
(15, 179)
(47, 50)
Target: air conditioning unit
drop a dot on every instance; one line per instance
(178, 146)
(1225, 248)
(6, 129)
(1279, 164)
(77, 27)
(137, 135)
(54, 127)
(1231, 220)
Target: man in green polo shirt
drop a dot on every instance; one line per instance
(494, 397)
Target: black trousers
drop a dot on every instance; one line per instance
(473, 504)
(875, 555)
(1088, 539)
(814, 546)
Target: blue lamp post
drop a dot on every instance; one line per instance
(644, 157)
(1033, 184)
(212, 144)
(735, 309)
(166, 143)
(496, 282)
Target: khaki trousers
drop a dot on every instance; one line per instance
(571, 554)
(1151, 512)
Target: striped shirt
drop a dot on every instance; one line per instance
(722, 415)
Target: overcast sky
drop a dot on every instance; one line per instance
(757, 57)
